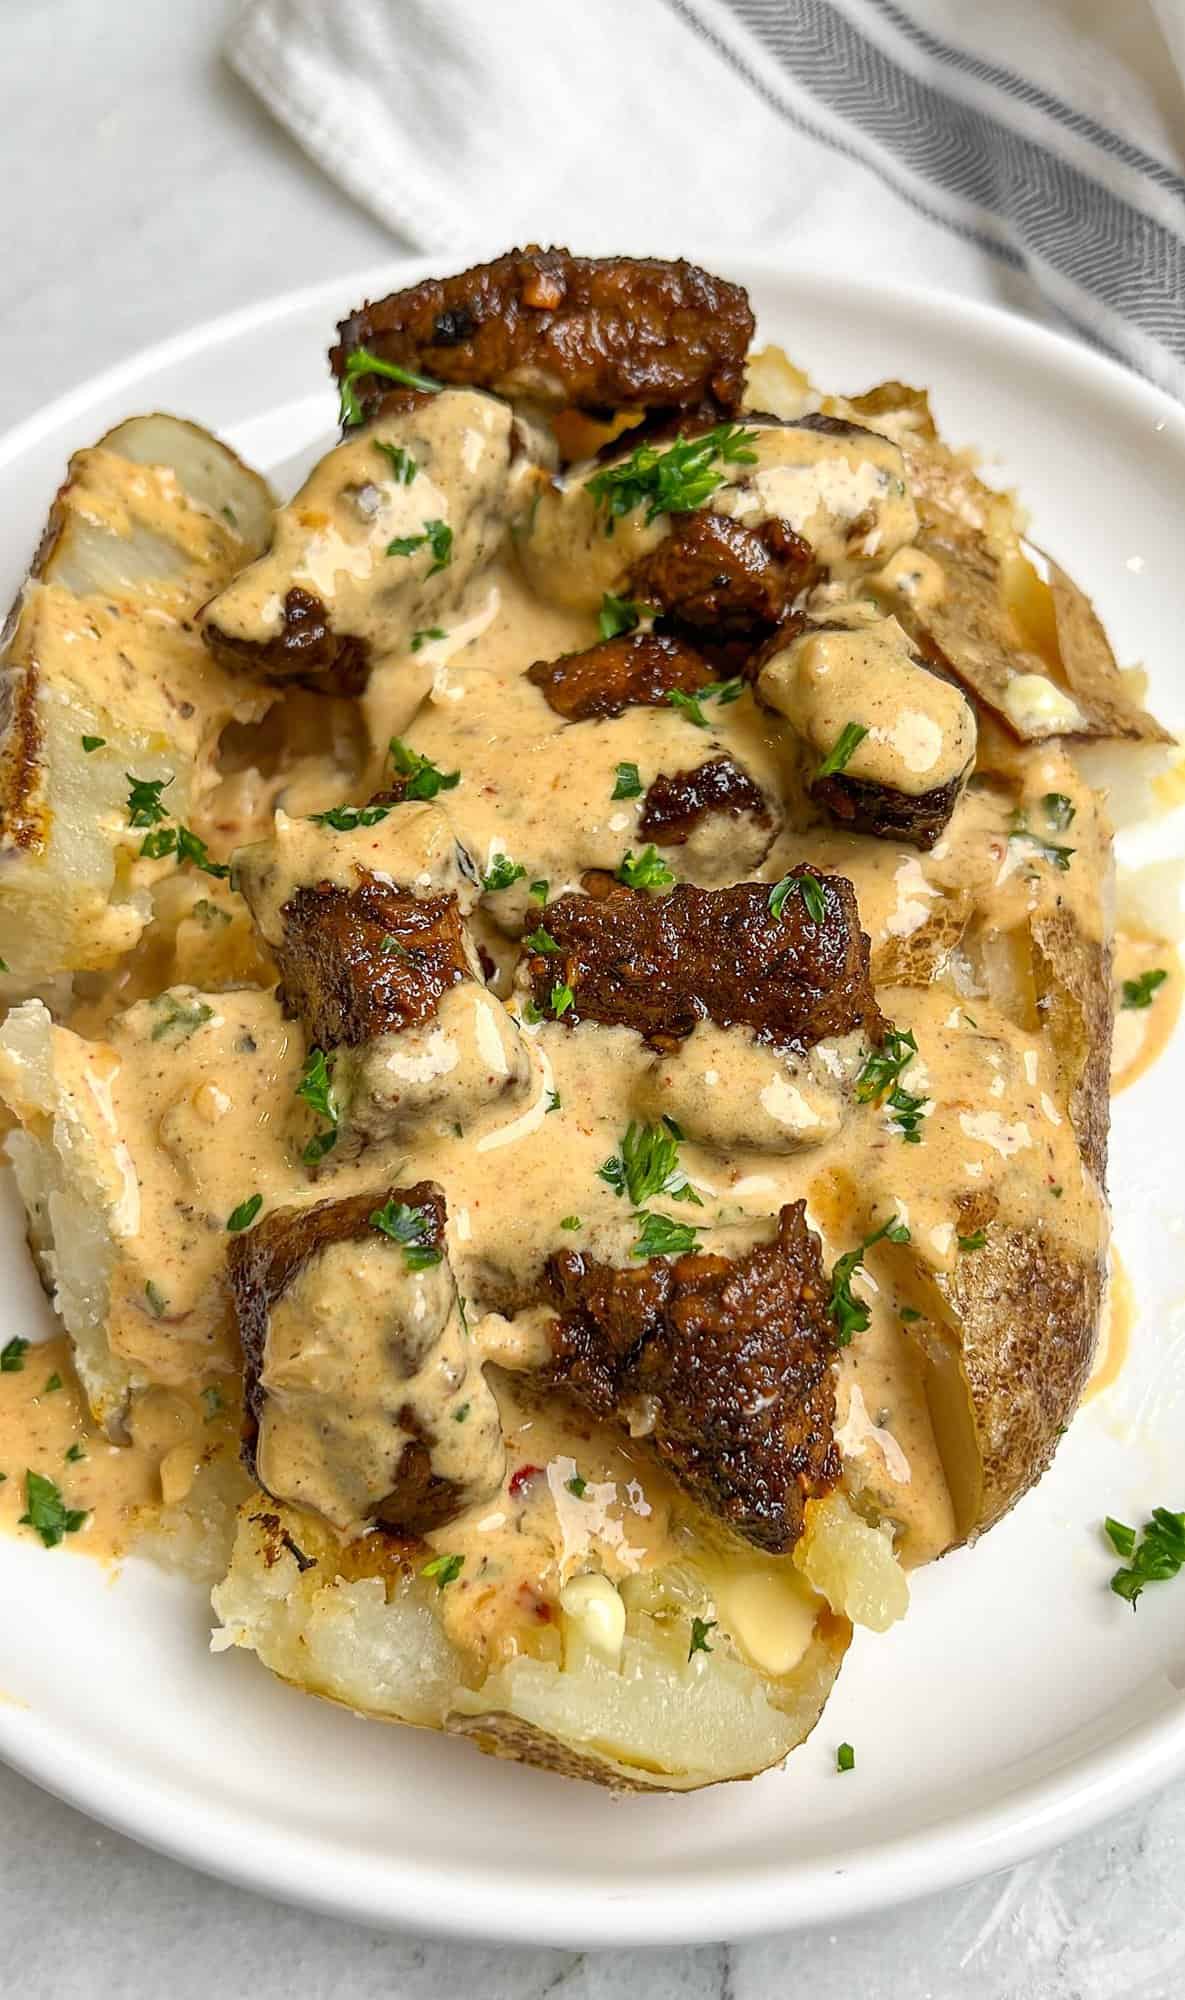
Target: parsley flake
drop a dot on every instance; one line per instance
(144, 806)
(538, 891)
(673, 481)
(976, 1241)
(851, 1315)
(561, 998)
(75, 1455)
(648, 871)
(809, 887)
(659, 1236)
(90, 743)
(1139, 992)
(443, 1570)
(879, 1082)
(12, 1356)
(436, 535)
(53, 1383)
(700, 1627)
(845, 1758)
(401, 462)
(570, 1222)
(413, 1228)
(47, 1512)
(629, 784)
(1156, 1557)
(541, 940)
(577, 1486)
(618, 615)
(243, 1216)
(363, 362)
(646, 1165)
(424, 778)
(501, 872)
(428, 634)
(179, 1017)
(846, 744)
(347, 819)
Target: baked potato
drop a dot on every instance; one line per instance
(663, 1200)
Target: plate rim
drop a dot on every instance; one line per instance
(304, 1870)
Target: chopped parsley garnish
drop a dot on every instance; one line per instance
(208, 913)
(809, 888)
(846, 744)
(90, 743)
(439, 538)
(211, 1403)
(879, 1082)
(12, 1356)
(1047, 850)
(976, 1241)
(629, 784)
(75, 1455)
(542, 940)
(1058, 810)
(851, 1315)
(316, 1089)
(553, 1101)
(1139, 992)
(181, 1017)
(648, 871)
(413, 1228)
(673, 481)
(429, 632)
(244, 1215)
(392, 948)
(845, 1758)
(47, 1512)
(1156, 1557)
(660, 1237)
(444, 1569)
(144, 806)
(401, 462)
(647, 1164)
(561, 998)
(531, 1013)
(185, 844)
(577, 1486)
(363, 362)
(689, 704)
(53, 1383)
(460, 1415)
(345, 819)
(538, 891)
(700, 1627)
(424, 778)
(501, 872)
(155, 1300)
(570, 1222)
(909, 1314)
(618, 615)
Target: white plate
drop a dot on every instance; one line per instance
(1020, 1700)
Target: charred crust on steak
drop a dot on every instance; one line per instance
(711, 573)
(635, 670)
(306, 650)
(590, 333)
(345, 982)
(674, 806)
(729, 1359)
(661, 964)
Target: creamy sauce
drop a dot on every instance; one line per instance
(1115, 1331)
(183, 1106)
(919, 731)
(1142, 1033)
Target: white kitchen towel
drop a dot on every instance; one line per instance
(1027, 151)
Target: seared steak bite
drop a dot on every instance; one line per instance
(595, 333)
(888, 742)
(355, 1361)
(661, 964)
(367, 925)
(675, 806)
(711, 573)
(721, 1364)
(306, 652)
(638, 670)
(357, 963)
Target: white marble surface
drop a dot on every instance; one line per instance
(143, 189)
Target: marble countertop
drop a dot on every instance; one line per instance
(146, 189)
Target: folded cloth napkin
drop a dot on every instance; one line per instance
(1031, 151)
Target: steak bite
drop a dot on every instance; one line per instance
(356, 1361)
(366, 921)
(889, 743)
(593, 333)
(675, 806)
(636, 670)
(729, 581)
(663, 964)
(721, 1364)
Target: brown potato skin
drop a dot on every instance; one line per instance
(661, 963)
(590, 333)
